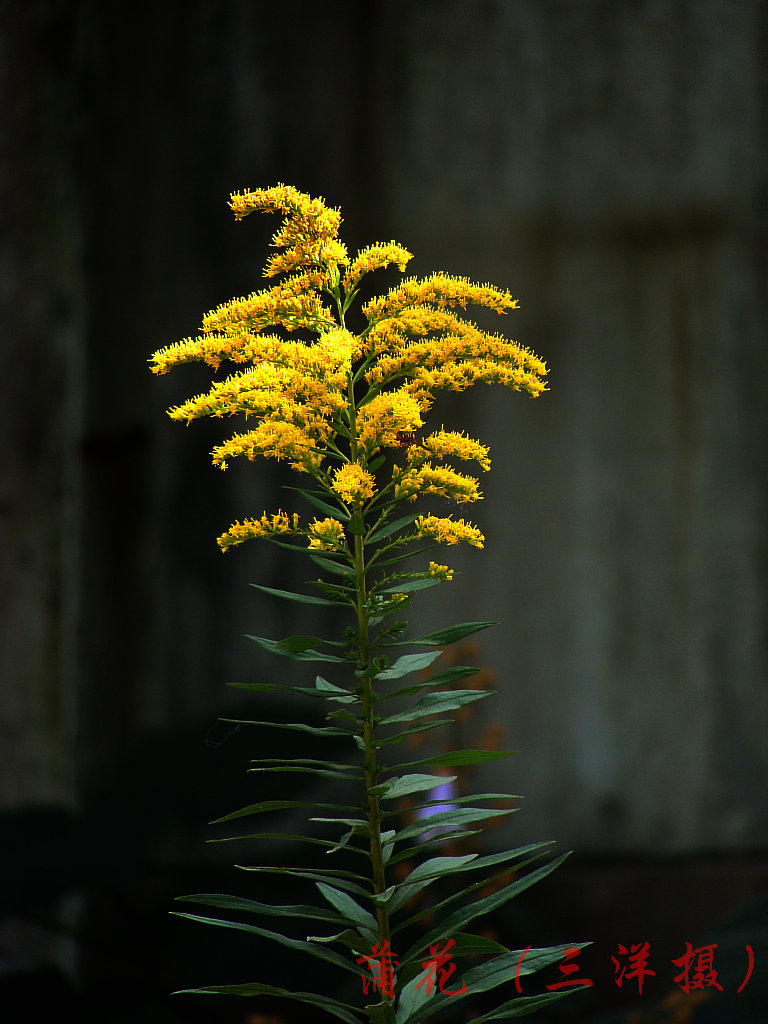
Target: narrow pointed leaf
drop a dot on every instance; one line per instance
(459, 918)
(290, 595)
(389, 528)
(341, 1010)
(458, 817)
(298, 648)
(346, 880)
(313, 730)
(457, 758)
(436, 703)
(482, 978)
(264, 806)
(224, 902)
(408, 663)
(322, 506)
(351, 911)
(406, 784)
(328, 565)
(408, 586)
(450, 635)
(299, 945)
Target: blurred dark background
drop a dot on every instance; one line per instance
(604, 160)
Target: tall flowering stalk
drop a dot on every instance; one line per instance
(343, 407)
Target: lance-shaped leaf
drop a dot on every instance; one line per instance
(522, 1006)
(346, 880)
(286, 837)
(457, 759)
(297, 648)
(406, 784)
(264, 806)
(351, 911)
(298, 945)
(435, 704)
(294, 912)
(460, 816)
(327, 564)
(472, 863)
(330, 510)
(290, 595)
(341, 1010)
(408, 663)
(313, 730)
(450, 675)
(389, 528)
(424, 874)
(482, 978)
(461, 896)
(461, 917)
(408, 586)
(449, 635)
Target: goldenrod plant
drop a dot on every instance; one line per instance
(345, 408)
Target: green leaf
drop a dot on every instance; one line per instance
(450, 675)
(305, 691)
(414, 883)
(224, 902)
(313, 730)
(522, 1006)
(450, 635)
(426, 873)
(341, 1010)
(328, 565)
(402, 786)
(351, 912)
(408, 586)
(347, 880)
(461, 816)
(264, 806)
(377, 463)
(285, 837)
(436, 703)
(298, 648)
(319, 773)
(289, 595)
(422, 727)
(458, 759)
(333, 692)
(322, 506)
(408, 663)
(459, 918)
(482, 978)
(476, 945)
(389, 528)
(380, 1013)
(298, 945)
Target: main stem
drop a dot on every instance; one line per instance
(371, 769)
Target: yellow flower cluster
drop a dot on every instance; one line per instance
(267, 526)
(381, 419)
(440, 572)
(374, 257)
(429, 479)
(327, 397)
(326, 535)
(452, 444)
(308, 234)
(353, 483)
(273, 440)
(448, 531)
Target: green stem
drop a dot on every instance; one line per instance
(371, 769)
